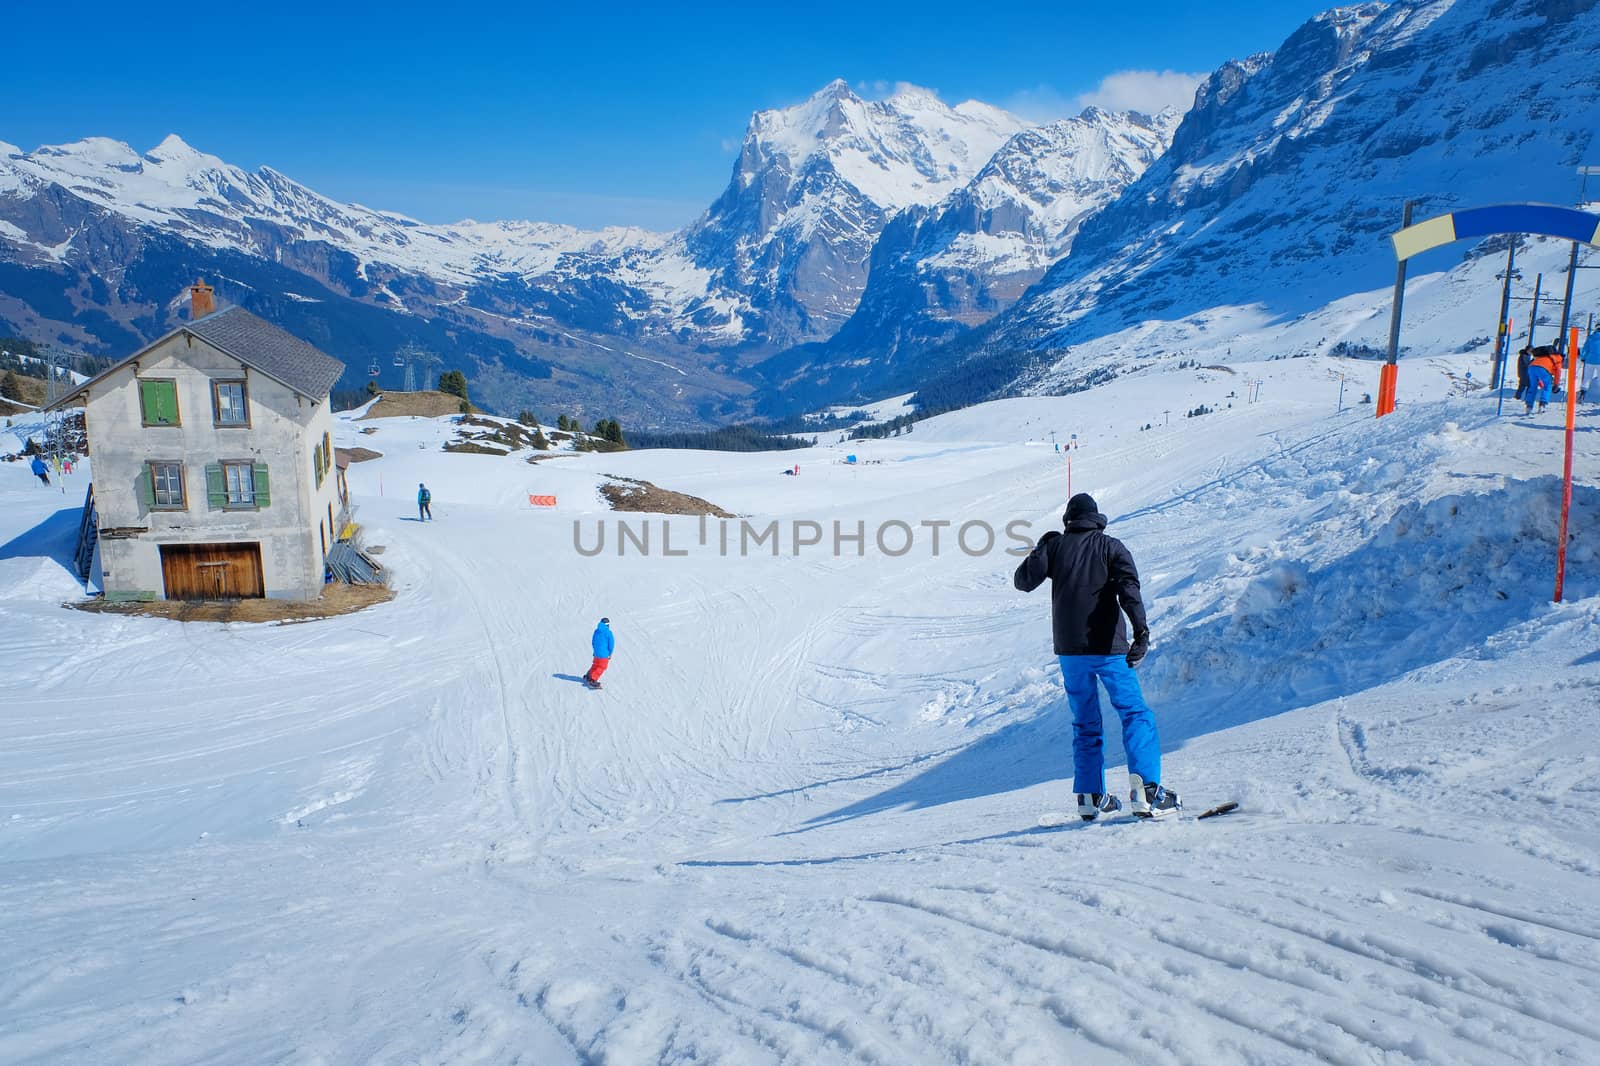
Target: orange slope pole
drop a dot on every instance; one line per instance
(1387, 379)
(1566, 474)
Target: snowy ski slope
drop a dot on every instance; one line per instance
(800, 823)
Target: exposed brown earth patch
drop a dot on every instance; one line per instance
(632, 494)
(336, 599)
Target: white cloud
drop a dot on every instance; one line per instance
(1126, 90)
(1143, 90)
(881, 89)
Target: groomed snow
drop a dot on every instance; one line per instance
(799, 825)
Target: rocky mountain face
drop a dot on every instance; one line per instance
(937, 271)
(792, 235)
(1283, 182)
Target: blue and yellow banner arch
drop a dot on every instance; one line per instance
(1545, 220)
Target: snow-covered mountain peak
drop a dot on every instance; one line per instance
(813, 188)
(909, 148)
(176, 151)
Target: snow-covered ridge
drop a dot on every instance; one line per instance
(829, 171)
(200, 197)
(1285, 178)
(1031, 195)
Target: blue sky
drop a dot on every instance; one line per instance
(587, 114)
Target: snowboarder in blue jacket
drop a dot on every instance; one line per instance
(1092, 584)
(41, 469)
(603, 644)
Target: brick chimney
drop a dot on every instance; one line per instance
(201, 302)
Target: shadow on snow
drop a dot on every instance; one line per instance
(1440, 580)
(54, 538)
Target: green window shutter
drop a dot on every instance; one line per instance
(216, 488)
(146, 487)
(159, 402)
(263, 495)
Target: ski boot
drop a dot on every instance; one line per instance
(1092, 805)
(1151, 801)
(589, 682)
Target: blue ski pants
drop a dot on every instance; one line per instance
(1139, 739)
(1539, 387)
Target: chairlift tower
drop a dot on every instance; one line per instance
(416, 359)
(57, 382)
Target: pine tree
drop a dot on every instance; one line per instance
(11, 386)
(453, 382)
(540, 441)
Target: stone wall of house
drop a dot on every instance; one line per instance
(283, 432)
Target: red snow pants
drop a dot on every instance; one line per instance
(598, 668)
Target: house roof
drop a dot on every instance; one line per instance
(256, 343)
(276, 353)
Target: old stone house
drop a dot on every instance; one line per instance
(213, 462)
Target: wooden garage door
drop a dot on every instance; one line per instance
(212, 571)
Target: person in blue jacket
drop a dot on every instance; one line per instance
(603, 645)
(424, 501)
(41, 468)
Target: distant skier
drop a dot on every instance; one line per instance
(1541, 376)
(1524, 360)
(424, 498)
(603, 645)
(41, 468)
(1092, 582)
(1589, 375)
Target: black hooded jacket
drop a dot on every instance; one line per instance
(1091, 575)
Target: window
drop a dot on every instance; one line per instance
(158, 401)
(166, 486)
(229, 403)
(237, 484)
(240, 484)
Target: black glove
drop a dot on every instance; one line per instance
(1139, 649)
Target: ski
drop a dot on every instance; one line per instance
(1058, 819)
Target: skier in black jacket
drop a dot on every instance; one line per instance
(1092, 583)
(1524, 361)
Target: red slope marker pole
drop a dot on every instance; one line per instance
(1566, 474)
